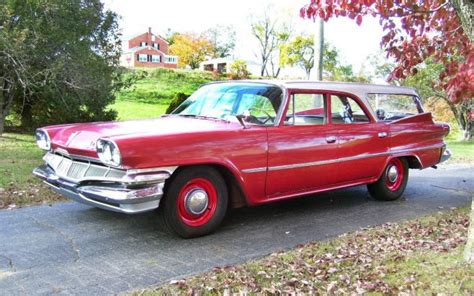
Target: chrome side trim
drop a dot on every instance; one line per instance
(169, 169)
(254, 170)
(324, 162)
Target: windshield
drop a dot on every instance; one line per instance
(256, 103)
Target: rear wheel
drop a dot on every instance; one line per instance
(393, 181)
(195, 202)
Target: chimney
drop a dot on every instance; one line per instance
(149, 30)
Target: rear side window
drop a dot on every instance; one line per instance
(393, 106)
(346, 110)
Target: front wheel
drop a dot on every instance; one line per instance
(392, 183)
(195, 202)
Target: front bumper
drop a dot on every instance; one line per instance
(128, 194)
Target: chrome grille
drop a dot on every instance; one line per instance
(76, 171)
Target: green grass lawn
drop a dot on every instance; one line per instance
(417, 257)
(19, 155)
(136, 110)
(154, 89)
(462, 152)
(160, 86)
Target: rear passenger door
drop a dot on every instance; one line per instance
(363, 143)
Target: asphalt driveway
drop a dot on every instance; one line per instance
(69, 248)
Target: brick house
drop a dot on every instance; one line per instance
(148, 50)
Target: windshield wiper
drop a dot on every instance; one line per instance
(202, 117)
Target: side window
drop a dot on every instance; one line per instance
(394, 106)
(345, 110)
(306, 109)
(256, 105)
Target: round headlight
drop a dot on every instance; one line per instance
(108, 152)
(42, 139)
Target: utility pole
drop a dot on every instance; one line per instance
(317, 71)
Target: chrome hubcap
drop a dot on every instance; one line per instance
(196, 201)
(392, 174)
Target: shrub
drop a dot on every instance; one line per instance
(177, 100)
(239, 70)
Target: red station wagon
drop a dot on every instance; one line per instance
(245, 143)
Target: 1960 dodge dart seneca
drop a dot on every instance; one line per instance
(245, 143)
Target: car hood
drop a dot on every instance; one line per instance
(83, 136)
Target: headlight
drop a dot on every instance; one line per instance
(108, 152)
(42, 139)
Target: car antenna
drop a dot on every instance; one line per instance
(240, 118)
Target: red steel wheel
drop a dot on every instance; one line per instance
(394, 174)
(392, 182)
(197, 202)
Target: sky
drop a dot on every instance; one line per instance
(354, 42)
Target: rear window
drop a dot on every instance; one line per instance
(393, 106)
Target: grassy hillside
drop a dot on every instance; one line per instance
(153, 90)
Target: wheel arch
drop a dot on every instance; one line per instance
(413, 160)
(237, 195)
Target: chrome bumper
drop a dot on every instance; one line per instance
(124, 197)
(445, 155)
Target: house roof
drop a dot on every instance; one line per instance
(157, 36)
(138, 48)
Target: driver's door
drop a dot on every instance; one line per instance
(302, 150)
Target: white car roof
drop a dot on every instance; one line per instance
(361, 90)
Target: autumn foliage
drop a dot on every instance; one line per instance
(413, 31)
(191, 49)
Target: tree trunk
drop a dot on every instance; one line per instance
(6, 100)
(465, 11)
(317, 73)
(460, 114)
(468, 132)
(27, 116)
(264, 66)
(2, 125)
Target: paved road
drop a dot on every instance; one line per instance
(69, 248)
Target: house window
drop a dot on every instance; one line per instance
(142, 57)
(143, 44)
(156, 45)
(170, 59)
(156, 58)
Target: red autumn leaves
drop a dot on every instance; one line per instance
(414, 30)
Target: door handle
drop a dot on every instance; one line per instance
(330, 139)
(382, 134)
